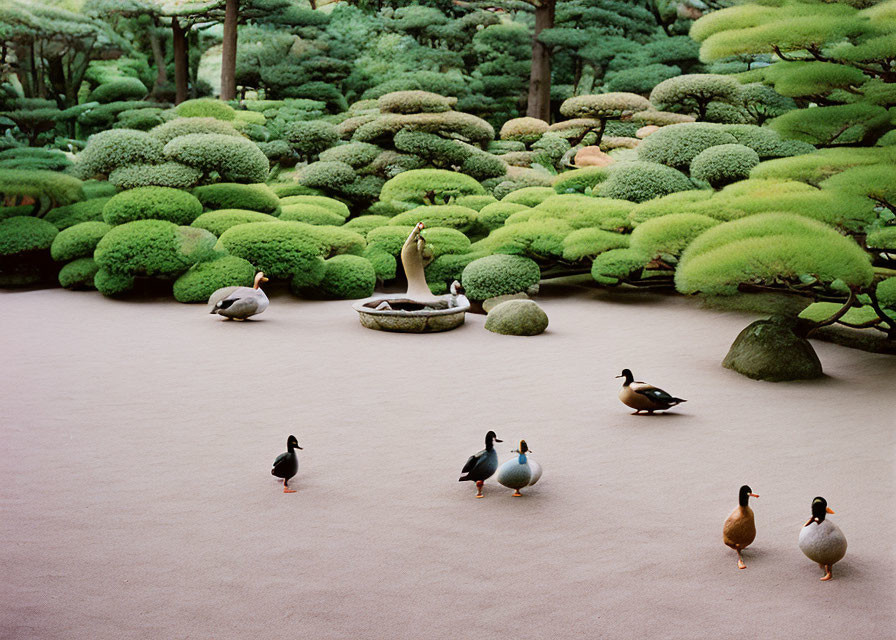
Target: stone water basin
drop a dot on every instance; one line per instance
(409, 316)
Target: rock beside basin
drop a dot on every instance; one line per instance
(517, 318)
(770, 350)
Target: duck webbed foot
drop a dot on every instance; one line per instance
(829, 575)
(286, 488)
(740, 561)
(517, 494)
(479, 484)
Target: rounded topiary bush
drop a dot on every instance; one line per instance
(72, 214)
(678, 144)
(205, 108)
(348, 277)
(166, 174)
(110, 283)
(448, 215)
(492, 216)
(640, 181)
(498, 275)
(235, 159)
(203, 279)
(525, 130)
(331, 204)
(669, 235)
(414, 102)
(723, 164)
(384, 264)
(78, 241)
(354, 154)
(78, 274)
(312, 214)
(220, 221)
(310, 137)
(580, 180)
(280, 249)
(365, 224)
(589, 242)
(108, 150)
(228, 195)
(118, 89)
(517, 318)
(417, 184)
(152, 203)
(327, 175)
(529, 196)
(152, 248)
(477, 203)
(168, 131)
(612, 267)
(444, 240)
(21, 235)
(389, 238)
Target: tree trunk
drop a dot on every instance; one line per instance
(228, 51)
(540, 76)
(158, 57)
(180, 61)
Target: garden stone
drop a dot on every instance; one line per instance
(770, 350)
(517, 318)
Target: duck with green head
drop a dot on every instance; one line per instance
(821, 540)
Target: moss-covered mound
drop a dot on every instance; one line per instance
(429, 185)
(166, 174)
(770, 350)
(24, 250)
(152, 203)
(78, 274)
(311, 214)
(220, 221)
(517, 318)
(78, 241)
(492, 216)
(449, 215)
(203, 279)
(234, 159)
(617, 265)
(280, 249)
(227, 195)
(529, 196)
(669, 235)
(723, 164)
(72, 214)
(499, 274)
(641, 181)
(348, 277)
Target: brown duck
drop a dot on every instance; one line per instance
(641, 396)
(740, 527)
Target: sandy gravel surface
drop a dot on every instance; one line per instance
(136, 498)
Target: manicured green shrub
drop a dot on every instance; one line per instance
(327, 175)
(199, 282)
(348, 277)
(678, 144)
(816, 167)
(482, 166)
(836, 208)
(70, 215)
(693, 93)
(22, 235)
(366, 223)
(78, 274)
(338, 240)
(118, 89)
(225, 195)
(604, 106)
(830, 125)
(291, 189)
(884, 239)
(331, 204)
(166, 174)
(768, 248)
(448, 215)
(529, 196)
(877, 182)
(580, 180)
(517, 318)
(389, 239)
(589, 242)
(304, 281)
(220, 221)
(47, 188)
(34, 158)
(312, 214)
(109, 150)
(498, 275)
(766, 142)
(141, 119)
(250, 117)
(309, 138)
(886, 293)
(98, 189)
(153, 248)
(444, 240)
(669, 235)
(447, 268)
(111, 283)
(580, 211)
(414, 102)
(525, 130)
(477, 203)
(235, 159)
(178, 127)
(280, 249)
(419, 184)
(78, 241)
(493, 215)
(679, 202)
(384, 264)
(540, 239)
(723, 164)
(152, 203)
(354, 154)
(205, 108)
(612, 267)
(640, 181)
(10, 212)
(765, 187)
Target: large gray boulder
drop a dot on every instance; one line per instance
(517, 318)
(770, 350)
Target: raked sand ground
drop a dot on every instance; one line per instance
(137, 501)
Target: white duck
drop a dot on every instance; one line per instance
(821, 540)
(239, 303)
(520, 471)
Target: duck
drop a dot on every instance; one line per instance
(821, 540)
(644, 397)
(286, 465)
(239, 303)
(482, 466)
(740, 527)
(520, 471)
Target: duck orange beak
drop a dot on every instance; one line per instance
(754, 495)
(829, 510)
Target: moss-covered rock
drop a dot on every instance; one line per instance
(499, 274)
(203, 279)
(770, 350)
(517, 318)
